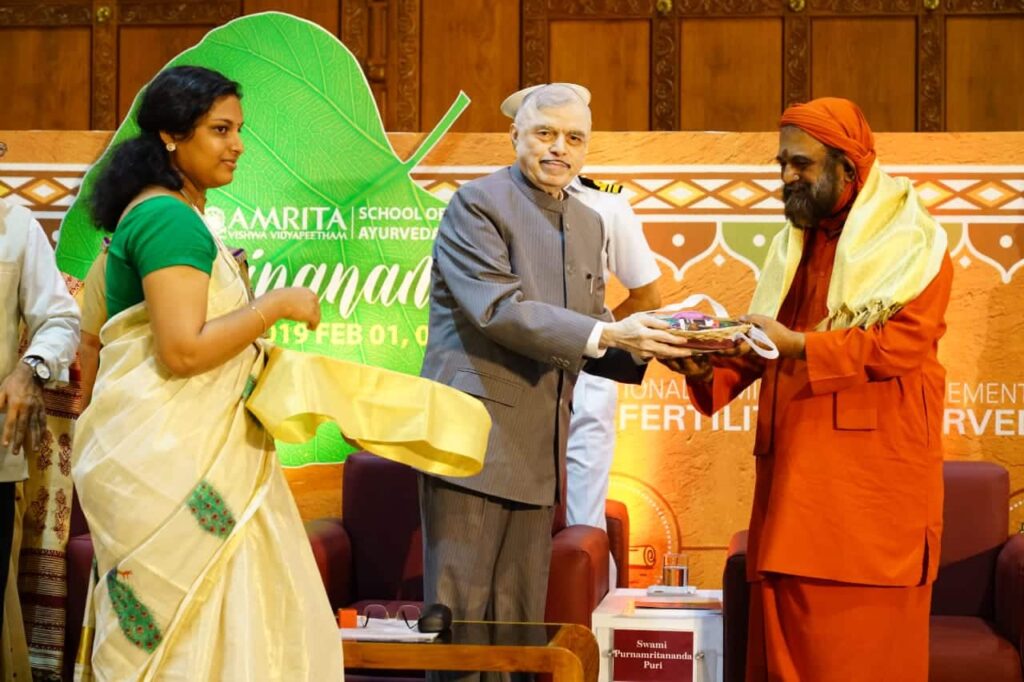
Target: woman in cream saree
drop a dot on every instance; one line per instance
(202, 568)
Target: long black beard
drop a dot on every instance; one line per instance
(807, 204)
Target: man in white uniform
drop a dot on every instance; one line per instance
(627, 256)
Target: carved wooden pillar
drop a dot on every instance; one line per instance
(664, 68)
(404, 114)
(796, 82)
(384, 35)
(364, 30)
(930, 60)
(104, 65)
(535, 50)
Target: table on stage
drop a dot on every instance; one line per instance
(617, 613)
(567, 651)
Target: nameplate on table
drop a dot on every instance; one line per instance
(652, 656)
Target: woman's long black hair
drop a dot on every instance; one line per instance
(173, 103)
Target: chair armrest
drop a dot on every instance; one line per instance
(578, 578)
(737, 545)
(1010, 591)
(735, 609)
(332, 550)
(616, 516)
(78, 524)
(78, 563)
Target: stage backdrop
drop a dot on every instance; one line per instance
(710, 204)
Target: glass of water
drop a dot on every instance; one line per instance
(675, 570)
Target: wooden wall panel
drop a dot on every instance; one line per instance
(46, 78)
(612, 59)
(472, 46)
(323, 12)
(984, 73)
(143, 52)
(880, 78)
(688, 64)
(723, 88)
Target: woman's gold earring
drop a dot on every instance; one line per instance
(171, 146)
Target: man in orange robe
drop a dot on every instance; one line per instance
(847, 513)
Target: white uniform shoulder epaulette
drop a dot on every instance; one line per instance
(601, 185)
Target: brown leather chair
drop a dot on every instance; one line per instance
(977, 623)
(374, 552)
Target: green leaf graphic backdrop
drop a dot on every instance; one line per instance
(317, 163)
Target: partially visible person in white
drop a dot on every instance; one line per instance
(592, 429)
(32, 292)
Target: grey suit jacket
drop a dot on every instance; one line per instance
(517, 286)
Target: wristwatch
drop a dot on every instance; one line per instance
(39, 369)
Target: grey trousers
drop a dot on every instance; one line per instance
(484, 557)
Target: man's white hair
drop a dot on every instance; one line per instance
(550, 96)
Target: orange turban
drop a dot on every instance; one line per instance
(838, 123)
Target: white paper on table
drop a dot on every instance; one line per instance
(386, 630)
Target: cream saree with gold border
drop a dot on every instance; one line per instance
(203, 570)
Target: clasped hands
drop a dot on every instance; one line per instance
(648, 337)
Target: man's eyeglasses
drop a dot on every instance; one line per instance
(406, 613)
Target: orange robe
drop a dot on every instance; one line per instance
(848, 492)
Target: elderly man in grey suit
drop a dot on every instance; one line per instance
(516, 311)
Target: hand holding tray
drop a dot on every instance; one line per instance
(713, 333)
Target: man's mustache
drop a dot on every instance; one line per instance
(800, 190)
